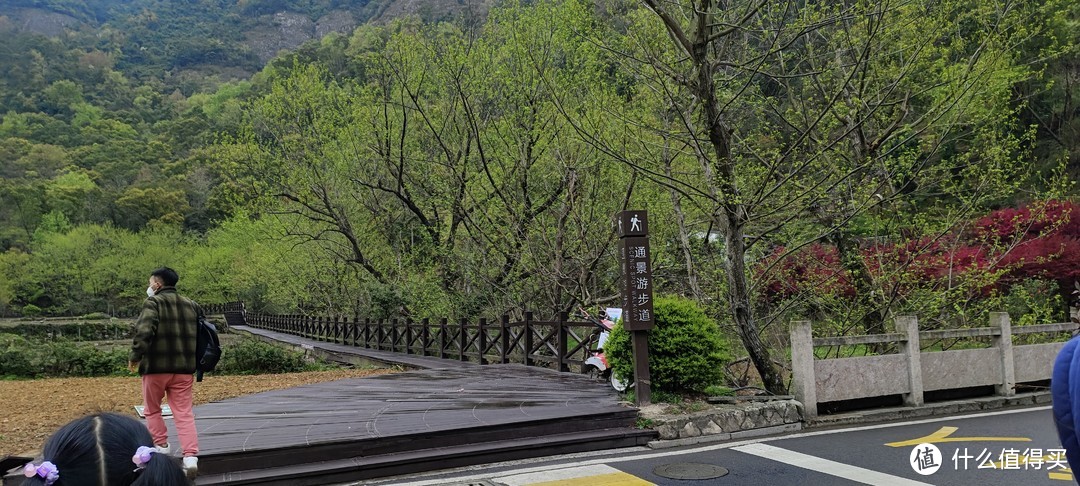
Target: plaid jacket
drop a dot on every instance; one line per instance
(165, 334)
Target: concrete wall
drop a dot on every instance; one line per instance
(847, 378)
(944, 370)
(911, 371)
(1033, 360)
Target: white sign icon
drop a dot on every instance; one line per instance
(925, 459)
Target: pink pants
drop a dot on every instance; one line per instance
(178, 388)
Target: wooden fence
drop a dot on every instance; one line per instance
(223, 308)
(558, 344)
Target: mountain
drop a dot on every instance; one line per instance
(154, 38)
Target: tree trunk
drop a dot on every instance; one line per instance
(739, 300)
(731, 213)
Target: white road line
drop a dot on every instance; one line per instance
(606, 457)
(825, 466)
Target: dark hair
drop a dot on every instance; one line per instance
(167, 275)
(98, 449)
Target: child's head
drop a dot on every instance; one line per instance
(101, 450)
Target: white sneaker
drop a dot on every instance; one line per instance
(191, 466)
(163, 450)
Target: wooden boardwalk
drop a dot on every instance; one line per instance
(352, 354)
(447, 415)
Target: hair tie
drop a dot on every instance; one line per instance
(46, 470)
(142, 456)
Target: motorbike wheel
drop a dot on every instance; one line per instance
(593, 373)
(619, 384)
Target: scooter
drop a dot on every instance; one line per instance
(596, 365)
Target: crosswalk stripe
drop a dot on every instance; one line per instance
(594, 475)
(833, 468)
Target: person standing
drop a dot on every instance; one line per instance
(163, 352)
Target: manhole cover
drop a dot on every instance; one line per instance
(690, 470)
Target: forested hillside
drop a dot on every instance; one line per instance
(836, 162)
(95, 93)
(110, 107)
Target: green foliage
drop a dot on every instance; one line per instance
(687, 353)
(670, 398)
(62, 357)
(50, 355)
(23, 358)
(31, 310)
(403, 228)
(441, 168)
(251, 356)
(78, 330)
(718, 391)
(95, 316)
(1034, 301)
(15, 357)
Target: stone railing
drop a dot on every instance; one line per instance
(912, 372)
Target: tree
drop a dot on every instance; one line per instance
(22, 203)
(447, 170)
(137, 207)
(781, 123)
(72, 193)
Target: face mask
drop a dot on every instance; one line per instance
(149, 291)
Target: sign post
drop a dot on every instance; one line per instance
(633, 230)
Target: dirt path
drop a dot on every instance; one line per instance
(30, 410)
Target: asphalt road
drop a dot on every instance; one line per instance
(1013, 447)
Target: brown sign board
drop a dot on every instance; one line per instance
(637, 289)
(637, 283)
(632, 223)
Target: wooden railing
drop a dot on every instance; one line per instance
(223, 308)
(558, 344)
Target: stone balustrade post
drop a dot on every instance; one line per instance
(803, 381)
(1003, 342)
(909, 347)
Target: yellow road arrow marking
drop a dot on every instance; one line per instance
(1062, 476)
(942, 435)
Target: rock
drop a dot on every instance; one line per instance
(44, 22)
(341, 21)
(712, 429)
(667, 432)
(281, 31)
(689, 430)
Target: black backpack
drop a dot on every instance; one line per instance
(207, 348)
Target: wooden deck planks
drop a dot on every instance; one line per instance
(400, 404)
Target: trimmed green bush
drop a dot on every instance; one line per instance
(95, 316)
(719, 391)
(251, 356)
(31, 310)
(687, 353)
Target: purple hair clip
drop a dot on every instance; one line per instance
(142, 456)
(46, 470)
